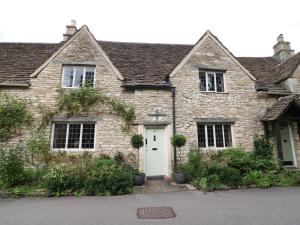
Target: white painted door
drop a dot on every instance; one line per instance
(155, 146)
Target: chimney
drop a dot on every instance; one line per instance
(70, 30)
(282, 49)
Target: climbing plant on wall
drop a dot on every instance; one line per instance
(13, 115)
(82, 99)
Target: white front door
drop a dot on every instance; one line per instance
(155, 157)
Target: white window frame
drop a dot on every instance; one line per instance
(214, 134)
(83, 78)
(215, 81)
(67, 137)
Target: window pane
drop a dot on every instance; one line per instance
(201, 136)
(220, 82)
(89, 75)
(79, 76)
(202, 81)
(210, 136)
(227, 134)
(88, 135)
(68, 76)
(60, 132)
(219, 136)
(211, 81)
(74, 136)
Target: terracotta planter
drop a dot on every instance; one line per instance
(139, 179)
(179, 177)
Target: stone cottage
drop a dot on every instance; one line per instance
(202, 91)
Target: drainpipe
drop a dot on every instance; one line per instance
(174, 123)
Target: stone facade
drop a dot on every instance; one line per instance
(153, 107)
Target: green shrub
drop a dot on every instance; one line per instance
(38, 146)
(137, 141)
(11, 167)
(63, 179)
(237, 158)
(119, 157)
(107, 177)
(195, 166)
(178, 140)
(264, 164)
(258, 178)
(209, 183)
(231, 177)
(263, 147)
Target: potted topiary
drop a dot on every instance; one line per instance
(179, 140)
(137, 142)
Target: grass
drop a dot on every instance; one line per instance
(26, 191)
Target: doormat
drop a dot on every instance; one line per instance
(155, 213)
(155, 177)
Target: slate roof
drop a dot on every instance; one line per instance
(270, 72)
(19, 60)
(285, 70)
(142, 63)
(280, 107)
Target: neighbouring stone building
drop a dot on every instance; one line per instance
(202, 91)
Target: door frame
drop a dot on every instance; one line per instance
(166, 147)
(292, 144)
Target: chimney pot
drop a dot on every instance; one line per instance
(70, 30)
(282, 49)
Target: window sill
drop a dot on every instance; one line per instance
(214, 148)
(213, 92)
(70, 150)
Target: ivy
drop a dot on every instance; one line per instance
(82, 99)
(13, 115)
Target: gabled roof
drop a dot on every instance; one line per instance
(142, 63)
(279, 107)
(286, 69)
(270, 72)
(19, 60)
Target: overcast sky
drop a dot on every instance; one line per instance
(246, 27)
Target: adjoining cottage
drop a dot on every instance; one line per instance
(202, 91)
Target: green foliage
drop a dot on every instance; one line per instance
(263, 147)
(209, 183)
(137, 141)
(38, 145)
(236, 158)
(11, 167)
(178, 140)
(63, 179)
(13, 115)
(106, 177)
(231, 177)
(195, 166)
(77, 100)
(82, 99)
(257, 178)
(119, 157)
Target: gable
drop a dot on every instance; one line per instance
(82, 48)
(208, 36)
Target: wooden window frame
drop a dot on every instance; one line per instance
(215, 81)
(67, 137)
(214, 134)
(74, 69)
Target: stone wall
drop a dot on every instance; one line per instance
(240, 100)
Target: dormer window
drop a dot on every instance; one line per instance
(76, 76)
(211, 81)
